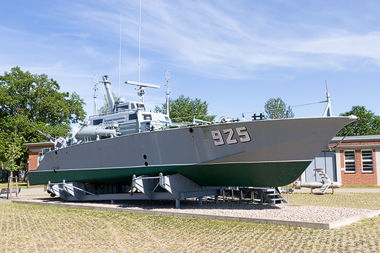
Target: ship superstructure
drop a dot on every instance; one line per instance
(122, 118)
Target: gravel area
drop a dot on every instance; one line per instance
(248, 210)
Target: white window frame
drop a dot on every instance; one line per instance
(349, 161)
(367, 160)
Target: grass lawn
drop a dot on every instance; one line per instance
(30, 228)
(360, 186)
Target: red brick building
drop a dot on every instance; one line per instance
(37, 152)
(355, 161)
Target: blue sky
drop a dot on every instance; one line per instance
(234, 54)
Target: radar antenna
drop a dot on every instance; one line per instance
(167, 78)
(141, 88)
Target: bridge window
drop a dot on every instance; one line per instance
(349, 161)
(122, 108)
(367, 161)
(141, 106)
(132, 116)
(97, 122)
(147, 117)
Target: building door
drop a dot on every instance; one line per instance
(325, 160)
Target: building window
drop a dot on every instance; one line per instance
(367, 161)
(349, 161)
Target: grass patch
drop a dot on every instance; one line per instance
(349, 199)
(360, 186)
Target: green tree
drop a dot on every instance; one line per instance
(368, 124)
(184, 109)
(32, 99)
(275, 108)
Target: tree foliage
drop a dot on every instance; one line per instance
(275, 108)
(184, 109)
(369, 123)
(32, 99)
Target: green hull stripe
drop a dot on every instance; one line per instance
(238, 174)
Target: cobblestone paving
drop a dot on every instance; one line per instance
(32, 228)
(351, 199)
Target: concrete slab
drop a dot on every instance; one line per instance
(319, 225)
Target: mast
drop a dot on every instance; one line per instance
(121, 17)
(327, 112)
(167, 78)
(96, 81)
(140, 43)
(111, 101)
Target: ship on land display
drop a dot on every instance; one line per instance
(113, 151)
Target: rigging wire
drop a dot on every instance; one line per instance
(320, 102)
(352, 128)
(292, 106)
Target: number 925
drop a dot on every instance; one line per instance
(229, 132)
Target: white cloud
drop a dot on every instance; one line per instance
(232, 40)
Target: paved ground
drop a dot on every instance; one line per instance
(37, 192)
(312, 216)
(307, 190)
(32, 191)
(36, 228)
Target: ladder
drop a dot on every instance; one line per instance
(273, 196)
(325, 179)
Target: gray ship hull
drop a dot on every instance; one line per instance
(263, 153)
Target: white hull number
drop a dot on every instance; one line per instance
(229, 136)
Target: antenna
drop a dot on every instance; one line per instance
(141, 88)
(327, 112)
(121, 17)
(167, 78)
(96, 81)
(139, 39)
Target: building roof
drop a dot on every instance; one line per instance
(39, 144)
(358, 142)
(359, 138)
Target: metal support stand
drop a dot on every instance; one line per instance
(200, 201)
(174, 187)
